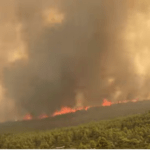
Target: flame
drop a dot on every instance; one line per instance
(106, 103)
(28, 117)
(67, 110)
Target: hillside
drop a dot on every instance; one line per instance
(74, 119)
(128, 132)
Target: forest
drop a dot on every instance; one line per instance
(131, 132)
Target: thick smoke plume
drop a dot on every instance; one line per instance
(55, 52)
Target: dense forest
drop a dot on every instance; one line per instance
(124, 132)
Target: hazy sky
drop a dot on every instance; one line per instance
(55, 52)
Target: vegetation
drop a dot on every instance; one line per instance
(129, 132)
(77, 118)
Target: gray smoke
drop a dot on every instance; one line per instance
(85, 51)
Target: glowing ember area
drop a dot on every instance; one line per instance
(28, 117)
(66, 110)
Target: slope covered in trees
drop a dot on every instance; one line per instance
(74, 119)
(129, 132)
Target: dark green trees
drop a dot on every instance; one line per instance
(132, 132)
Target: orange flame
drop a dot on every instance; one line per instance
(106, 103)
(66, 110)
(28, 117)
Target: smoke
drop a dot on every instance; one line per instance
(55, 51)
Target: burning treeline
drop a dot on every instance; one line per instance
(67, 110)
(72, 53)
